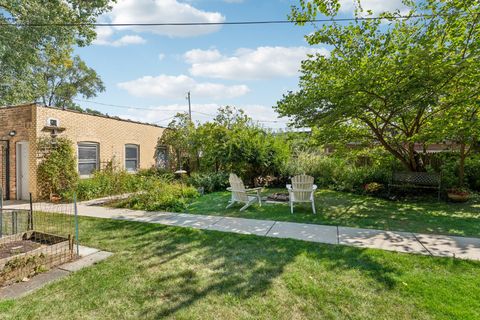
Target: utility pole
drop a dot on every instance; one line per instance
(189, 106)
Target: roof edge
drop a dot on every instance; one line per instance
(39, 105)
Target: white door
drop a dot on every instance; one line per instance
(22, 171)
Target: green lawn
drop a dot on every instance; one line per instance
(338, 208)
(180, 273)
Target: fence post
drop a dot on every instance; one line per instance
(76, 221)
(14, 222)
(30, 214)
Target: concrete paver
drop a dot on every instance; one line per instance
(186, 220)
(303, 231)
(243, 226)
(379, 239)
(450, 246)
(85, 261)
(21, 289)
(85, 251)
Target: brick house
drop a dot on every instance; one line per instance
(98, 139)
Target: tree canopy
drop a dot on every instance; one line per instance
(29, 27)
(230, 142)
(59, 77)
(390, 78)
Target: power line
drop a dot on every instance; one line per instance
(139, 108)
(258, 22)
(126, 107)
(166, 119)
(164, 110)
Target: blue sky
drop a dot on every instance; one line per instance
(245, 66)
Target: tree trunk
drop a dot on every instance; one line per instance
(410, 161)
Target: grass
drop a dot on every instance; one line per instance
(425, 215)
(180, 273)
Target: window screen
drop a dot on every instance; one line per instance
(131, 157)
(87, 158)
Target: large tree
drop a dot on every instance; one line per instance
(180, 136)
(391, 76)
(231, 142)
(29, 26)
(59, 77)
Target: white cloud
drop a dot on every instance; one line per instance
(176, 86)
(161, 56)
(157, 11)
(233, 1)
(126, 40)
(104, 35)
(260, 63)
(377, 6)
(198, 55)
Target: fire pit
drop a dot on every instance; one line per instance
(278, 198)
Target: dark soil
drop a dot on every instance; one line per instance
(16, 247)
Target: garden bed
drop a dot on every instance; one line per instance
(25, 254)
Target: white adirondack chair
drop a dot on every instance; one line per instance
(241, 194)
(301, 190)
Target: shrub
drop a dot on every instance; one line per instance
(57, 171)
(337, 173)
(161, 196)
(472, 172)
(210, 182)
(106, 183)
(351, 178)
(153, 172)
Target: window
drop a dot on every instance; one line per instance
(131, 157)
(87, 158)
(162, 157)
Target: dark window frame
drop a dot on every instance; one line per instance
(165, 164)
(137, 159)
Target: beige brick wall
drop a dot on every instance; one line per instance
(111, 134)
(20, 119)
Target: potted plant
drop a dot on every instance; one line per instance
(458, 194)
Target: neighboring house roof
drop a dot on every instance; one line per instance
(85, 113)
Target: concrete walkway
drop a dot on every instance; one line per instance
(407, 242)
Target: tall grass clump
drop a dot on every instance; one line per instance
(338, 173)
(160, 196)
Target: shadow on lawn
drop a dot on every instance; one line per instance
(185, 266)
(423, 214)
